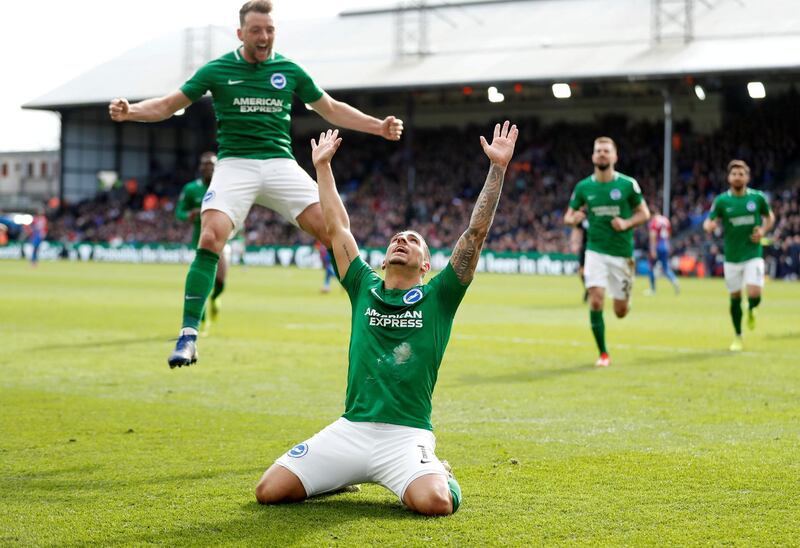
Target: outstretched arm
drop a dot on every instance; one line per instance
(468, 248)
(149, 110)
(343, 115)
(337, 222)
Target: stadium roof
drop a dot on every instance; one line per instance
(476, 42)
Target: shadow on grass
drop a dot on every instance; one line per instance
(51, 482)
(681, 358)
(97, 344)
(532, 375)
(783, 336)
(280, 525)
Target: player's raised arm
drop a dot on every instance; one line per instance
(337, 222)
(343, 115)
(149, 110)
(468, 248)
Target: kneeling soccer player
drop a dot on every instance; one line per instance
(399, 331)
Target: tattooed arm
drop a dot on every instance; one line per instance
(468, 248)
(337, 222)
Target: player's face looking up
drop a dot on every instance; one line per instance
(408, 248)
(604, 155)
(257, 35)
(738, 178)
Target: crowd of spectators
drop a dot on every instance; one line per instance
(382, 195)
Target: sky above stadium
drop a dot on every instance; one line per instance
(46, 43)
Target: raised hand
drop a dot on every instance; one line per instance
(503, 141)
(391, 128)
(323, 151)
(118, 109)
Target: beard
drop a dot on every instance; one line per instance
(602, 166)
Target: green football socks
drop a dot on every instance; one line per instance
(455, 492)
(598, 329)
(753, 302)
(199, 283)
(736, 314)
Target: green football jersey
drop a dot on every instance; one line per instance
(253, 103)
(191, 198)
(604, 201)
(740, 214)
(397, 341)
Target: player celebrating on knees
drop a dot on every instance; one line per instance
(252, 88)
(746, 218)
(188, 209)
(399, 331)
(615, 206)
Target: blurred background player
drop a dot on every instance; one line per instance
(327, 266)
(746, 218)
(188, 209)
(659, 232)
(399, 332)
(577, 245)
(614, 206)
(252, 88)
(38, 235)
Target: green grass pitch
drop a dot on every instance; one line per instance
(679, 442)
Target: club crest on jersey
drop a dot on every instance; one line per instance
(278, 80)
(751, 206)
(209, 196)
(615, 194)
(298, 451)
(412, 296)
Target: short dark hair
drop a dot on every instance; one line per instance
(258, 6)
(738, 163)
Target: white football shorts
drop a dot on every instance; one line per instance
(345, 453)
(278, 184)
(745, 273)
(614, 274)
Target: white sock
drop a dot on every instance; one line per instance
(189, 331)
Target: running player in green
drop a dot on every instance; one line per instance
(746, 218)
(400, 327)
(614, 206)
(252, 88)
(188, 209)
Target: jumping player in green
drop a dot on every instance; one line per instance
(252, 88)
(746, 218)
(614, 206)
(399, 331)
(188, 209)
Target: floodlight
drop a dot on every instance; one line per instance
(494, 95)
(700, 92)
(562, 91)
(756, 90)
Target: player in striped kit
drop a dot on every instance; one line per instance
(660, 231)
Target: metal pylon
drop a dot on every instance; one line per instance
(411, 30)
(672, 19)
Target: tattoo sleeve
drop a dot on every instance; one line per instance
(468, 248)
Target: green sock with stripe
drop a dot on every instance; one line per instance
(199, 283)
